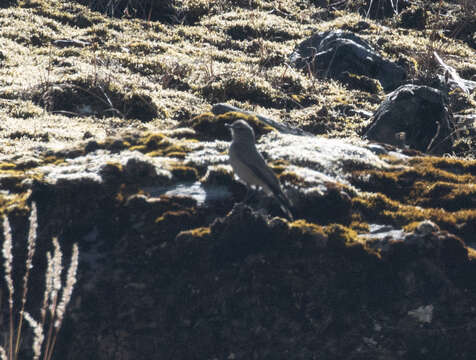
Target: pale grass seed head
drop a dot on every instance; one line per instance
(3, 354)
(48, 285)
(39, 335)
(56, 276)
(68, 289)
(7, 255)
(32, 236)
(31, 249)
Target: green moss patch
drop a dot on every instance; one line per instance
(438, 189)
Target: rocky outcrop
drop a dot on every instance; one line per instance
(337, 54)
(414, 116)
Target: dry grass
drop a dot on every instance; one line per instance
(237, 51)
(54, 305)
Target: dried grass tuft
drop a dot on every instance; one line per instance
(39, 336)
(53, 307)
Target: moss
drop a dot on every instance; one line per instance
(153, 141)
(172, 222)
(201, 232)
(409, 184)
(380, 209)
(118, 166)
(16, 204)
(167, 216)
(140, 148)
(55, 160)
(452, 165)
(217, 175)
(444, 194)
(290, 177)
(66, 13)
(177, 154)
(12, 181)
(174, 148)
(185, 173)
(434, 188)
(361, 82)
(242, 89)
(150, 10)
(279, 166)
(306, 227)
(308, 231)
(114, 144)
(211, 126)
(412, 226)
(373, 206)
(7, 166)
(340, 234)
(359, 226)
(139, 105)
(471, 253)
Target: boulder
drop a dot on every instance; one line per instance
(333, 53)
(413, 116)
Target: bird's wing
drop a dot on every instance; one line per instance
(269, 178)
(255, 162)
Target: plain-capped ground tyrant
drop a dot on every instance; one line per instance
(250, 166)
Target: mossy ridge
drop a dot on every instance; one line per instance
(243, 89)
(334, 235)
(213, 126)
(16, 203)
(378, 208)
(16, 178)
(184, 173)
(410, 183)
(158, 144)
(68, 13)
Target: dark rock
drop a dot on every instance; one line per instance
(332, 53)
(413, 116)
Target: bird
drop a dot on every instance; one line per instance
(250, 167)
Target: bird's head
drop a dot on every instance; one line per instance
(241, 131)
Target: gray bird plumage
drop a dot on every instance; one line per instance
(249, 165)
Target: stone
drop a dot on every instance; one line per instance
(332, 53)
(417, 111)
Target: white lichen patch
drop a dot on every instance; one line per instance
(332, 158)
(90, 165)
(207, 153)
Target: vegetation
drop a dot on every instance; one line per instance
(56, 295)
